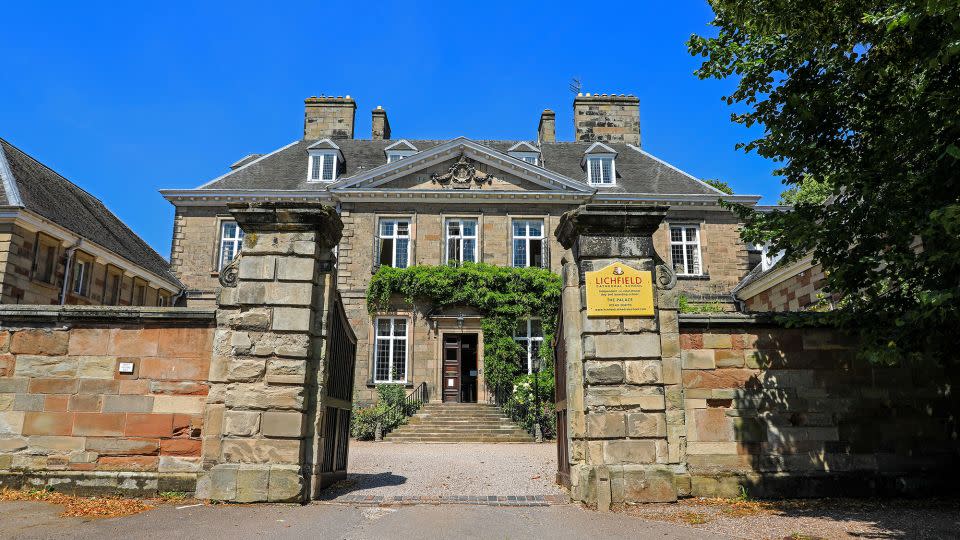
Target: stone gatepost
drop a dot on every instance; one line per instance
(624, 397)
(268, 354)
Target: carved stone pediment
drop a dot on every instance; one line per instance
(462, 175)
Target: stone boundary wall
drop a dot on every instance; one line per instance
(793, 413)
(70, 419)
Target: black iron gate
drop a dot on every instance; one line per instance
(341, 362)
(560, 399)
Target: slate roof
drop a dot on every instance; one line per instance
(29, 184)
(637, 171)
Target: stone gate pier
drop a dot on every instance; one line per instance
(624, 399)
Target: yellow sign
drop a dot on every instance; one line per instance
(619, 291)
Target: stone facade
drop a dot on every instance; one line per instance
(794, 413)
(329, 117)
(21, 281)
(624, 401)
(70, 417)
(607, 118)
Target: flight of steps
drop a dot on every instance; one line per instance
(459, 422)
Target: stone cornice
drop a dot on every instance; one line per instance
(289, 216)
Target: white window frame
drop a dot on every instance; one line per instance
(393, 342)
(613, 169)
(527, 238)
(236, 241)
(394, 236)
(315, 173)
(683, 243)
(460, 238)
(530, 342)
(394, 156)
(532, 158)
(81, 282)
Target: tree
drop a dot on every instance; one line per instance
(865, 94)
(719, 184)
(808, 191)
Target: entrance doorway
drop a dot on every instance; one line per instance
(460, 368)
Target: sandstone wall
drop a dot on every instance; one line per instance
(798, 292)
(68, 417)
(793, 412)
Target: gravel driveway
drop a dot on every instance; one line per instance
(386, 469)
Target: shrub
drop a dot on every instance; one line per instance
(390, 411)
(521, 406)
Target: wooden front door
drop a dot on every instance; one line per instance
(451, 368)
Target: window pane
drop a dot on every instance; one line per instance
(521, 329)
(226, 254)
(519, 228)
(691, 234)
(676, 255)
(536, 253)
(386, 228)
(386, 251)
(693, 261)
(400, 327)
(453, 250)
(536, 328)
(469, 228)
(453, 228)
(403, 228)
(676, 234)
(606, 176)
(316, 165)
(328, 167)
(229, 230)
(469, 250)
(535, 228)
(383, 360)
(402, 252)
(383, 327)
(595, 170)
(519, 253)
(399, 360)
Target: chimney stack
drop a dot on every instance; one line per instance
(328, 117)
(607, 118)
(547, 129)
(381, 126)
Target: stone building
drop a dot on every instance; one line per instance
(61, 245)
(406, 202)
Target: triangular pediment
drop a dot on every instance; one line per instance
(461, 164)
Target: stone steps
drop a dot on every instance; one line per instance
(459, 422)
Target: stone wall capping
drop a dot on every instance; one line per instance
(745, 319)
(34, 314)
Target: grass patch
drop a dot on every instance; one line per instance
(172, 496)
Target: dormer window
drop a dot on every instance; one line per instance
(323, 167)
(525, 151)
(324, 162)
(399, 150)
(600, 170)
(600, 162)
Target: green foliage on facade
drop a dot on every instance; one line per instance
(503, 295)
(863, 94)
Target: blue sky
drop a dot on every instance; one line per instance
(127, 100)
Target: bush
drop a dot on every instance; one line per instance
(390, 411)
(521, 406)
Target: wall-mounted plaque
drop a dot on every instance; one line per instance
(619, 291)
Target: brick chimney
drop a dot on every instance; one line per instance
(547, 129)
(607, 118)
(328, 117)
(381, 126)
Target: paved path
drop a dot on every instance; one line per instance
(448, 470)
(235, 522)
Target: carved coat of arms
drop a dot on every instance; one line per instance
(462, 175)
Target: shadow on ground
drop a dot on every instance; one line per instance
(355, 483)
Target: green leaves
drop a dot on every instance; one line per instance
(504, 295)
(863, 94)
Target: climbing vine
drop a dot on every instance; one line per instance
(503, 295)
